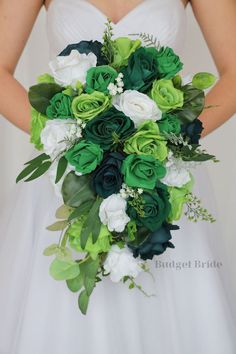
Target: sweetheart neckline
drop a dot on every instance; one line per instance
(104, 16)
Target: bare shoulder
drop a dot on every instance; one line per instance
(17, 18)
(217, 20)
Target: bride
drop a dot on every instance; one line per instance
(192, 311)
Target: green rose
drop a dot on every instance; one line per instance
(169, 63)
(101, 245)
(60, 107)
(37, 123)
(84, 156)
(166, 96)
(142, 171)
(169, 123)
(87, 106)
(123, 48)
(147, 141)
(156, 208)
(108, 127)
(98, 78)
(142, 69)
(178, 197)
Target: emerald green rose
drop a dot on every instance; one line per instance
(101, 245)
(147, 141)
(85, 156)
(123, 48)
(178, 197)
(60, 107)
(98, 78)
(166, 96)
(169, 123)
(142, 171)
(156, 208)
(169, 63)
(87, 106)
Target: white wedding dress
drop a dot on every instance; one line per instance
(192, 312)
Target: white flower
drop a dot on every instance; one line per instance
(54, 132)
(120, 262)
(67, 70)
(138, 106)
(112, 213)
(177, 172)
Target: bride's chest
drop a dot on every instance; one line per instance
(69, 21)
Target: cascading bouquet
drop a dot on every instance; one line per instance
(119, 131)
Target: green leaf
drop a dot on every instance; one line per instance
(61, 168)
(25, 172)
(63, 212)
(61, 270)
(39, 171)
(41, 94)
(92, 224)
(89, 271)
(83, 302)
(81, 210)
(37, 123)
(75, 284)
(194, 101)
(46, 78)
(203, 81)
(51, 250)
(58, 226)
(76, 190)
(38, 160)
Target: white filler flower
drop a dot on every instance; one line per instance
(177, 172)
(138, 106)
(112, 213)
(120, 262)
(54, 134)
(67, 70)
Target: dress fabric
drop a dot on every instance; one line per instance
(192, 311)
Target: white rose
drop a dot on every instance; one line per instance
(112, 213)
(53, 134)
(138, 106)
(67, 70)
(120, 262)
(177, 172)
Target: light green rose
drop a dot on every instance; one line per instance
(147, 141)
(166, 96)
(101, 245)
(123, 48)
(37, 123)
(178, 197)
(87, 106)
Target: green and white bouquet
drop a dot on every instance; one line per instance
(119, 131)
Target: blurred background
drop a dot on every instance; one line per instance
(15, 147)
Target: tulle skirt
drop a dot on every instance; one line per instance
(191, 312)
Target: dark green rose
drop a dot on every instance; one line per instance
(60, 107)
(142, 171)
(156, 243)
(98, 78)
(142, 69)
(109, 126)
(156, 208)
(86, 47)
(169, 123)
(169, 63)
(107, 179)
(193, 130)
(84, 156)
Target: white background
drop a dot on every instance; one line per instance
(15, 147)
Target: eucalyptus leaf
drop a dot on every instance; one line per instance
(58, 226)
(76, 190)
(39, 171)
(61, 168)
(51, 250)
(83, 302)
(41, 94)
(61, 270)
(63, 212)
(75, 284)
